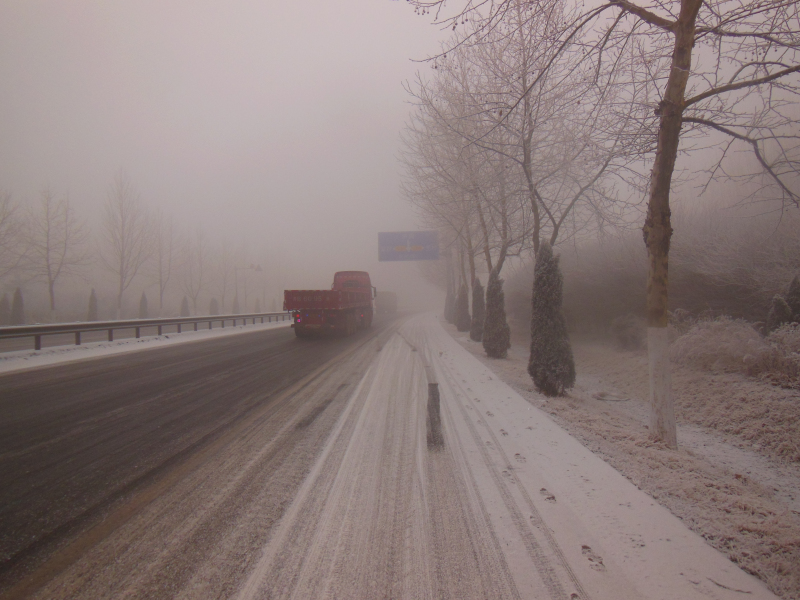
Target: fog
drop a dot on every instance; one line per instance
(274, 125)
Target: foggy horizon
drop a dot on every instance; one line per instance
(278, 125)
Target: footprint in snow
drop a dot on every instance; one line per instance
(595, 560)
(547, 495)
(519, 457)
(489, 414)
(504, 432)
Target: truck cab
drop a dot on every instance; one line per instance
(344, 280)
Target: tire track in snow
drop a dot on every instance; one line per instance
(544, 552)
(380, 515)
(193, 536)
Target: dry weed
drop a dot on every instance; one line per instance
(734, 346)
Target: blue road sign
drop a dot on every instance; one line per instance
(408, 245)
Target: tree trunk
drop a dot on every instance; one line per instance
(657, 228)
(52, 291)
(471, 259)
(119, 300)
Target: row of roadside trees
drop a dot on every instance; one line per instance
(545, 122)
(48, 244)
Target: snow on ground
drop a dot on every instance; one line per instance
(599, 519)
(738, 494)
(28, 359)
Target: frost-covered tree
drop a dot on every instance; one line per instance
(17, 309)
(185, 307)
(57, 241)
(5, 311)
(12, 244)
(128, 234)
(779, 313)
(496, 333)
(463, 320)
(478, 312)
(164, 253)
(213, 307)
(793, 298)
(143, 306)
(551, 365)
(91, 313)
(706, 74)
(194, 269)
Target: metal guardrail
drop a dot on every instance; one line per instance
(79, 327)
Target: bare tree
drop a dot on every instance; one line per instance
(194, 268)
(737, 90)
(11, 246)
(224, 271)
(165, 254)
(57, 243)
(128, 234)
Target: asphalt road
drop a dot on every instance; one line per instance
(86, 447)
(259, 466)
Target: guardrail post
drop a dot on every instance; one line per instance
(110, 335)
(137, 333)
(77, 338)
(195, 326)
(209, 324)
(37, 342)
(159, 330)
(179, 327)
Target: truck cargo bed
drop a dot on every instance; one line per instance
(325, 299)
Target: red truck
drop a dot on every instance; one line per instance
(345, 308)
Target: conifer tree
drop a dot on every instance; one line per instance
(213, 307)
(551, 365)
(780, 312)
(463, 320)
(185, 307)
(793, 298)
(496, 333)
(143, 306)
(91, 313)
(478, 312)
(17, 309)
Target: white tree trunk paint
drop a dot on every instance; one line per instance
(662, 414)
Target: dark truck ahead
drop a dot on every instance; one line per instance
(344, 309)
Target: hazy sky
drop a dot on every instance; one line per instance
(276, 122)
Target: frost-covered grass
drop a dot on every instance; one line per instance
(733, 345)
(715, 495)
(726, 345)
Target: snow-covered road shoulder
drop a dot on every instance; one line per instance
(29, 359)
(586, 519)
